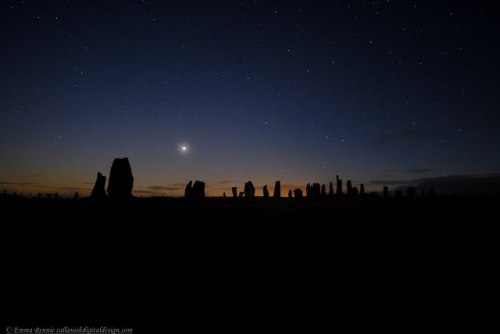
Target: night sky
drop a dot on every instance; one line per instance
(379, 92)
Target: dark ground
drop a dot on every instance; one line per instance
(71, 250)
(258, 226)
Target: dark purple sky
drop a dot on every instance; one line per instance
(376, 91)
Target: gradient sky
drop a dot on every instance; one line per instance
(379, 92)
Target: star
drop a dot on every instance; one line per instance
(184, 148)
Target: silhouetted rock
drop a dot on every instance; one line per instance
(265, 191)
(249, 190)
(349, 187)
(362, 189)
(188, 189)
(410, 192)
(241, 194)
(313, 191)
(224, 194)
(121, 180)
(339, 186)
(330, 190)
(98, 192)
(235, 192)
(386, 192)
(316, 190)
(76, 195)
(198, 190)
(298, 193)
(323, 190)
(290, 193)
(277, 189)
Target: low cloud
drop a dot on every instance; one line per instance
(32, 176)
(179, 185)
(419, 170)
(69, 188)
(147, 192)
(387, 182)
(160, 188)
(225, 182)
(32, 184)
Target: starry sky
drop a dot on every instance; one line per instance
(379, 92)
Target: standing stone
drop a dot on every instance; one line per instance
(290, 193)
(277, 189)
(249, 190)
(121, 180)
(323, 190)
(235, 192)
(339, 186)
(198, 190)
(98, 192)
(316, 190)
(349, 187)
(188, 189)
(410, 192)
(362, 189)
(265, 191)
(330, 190)
(298, 193)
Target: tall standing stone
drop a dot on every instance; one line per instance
(249, 190)
(386, 192)
(339, 186)
(265, 191)
(121, 180)
(198, 190)
(277, 189)
(98, 192)
(316, 190)
(330, 190)
(235, 192)
(349, 187)
(188, 189)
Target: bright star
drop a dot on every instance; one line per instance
(184, 148)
